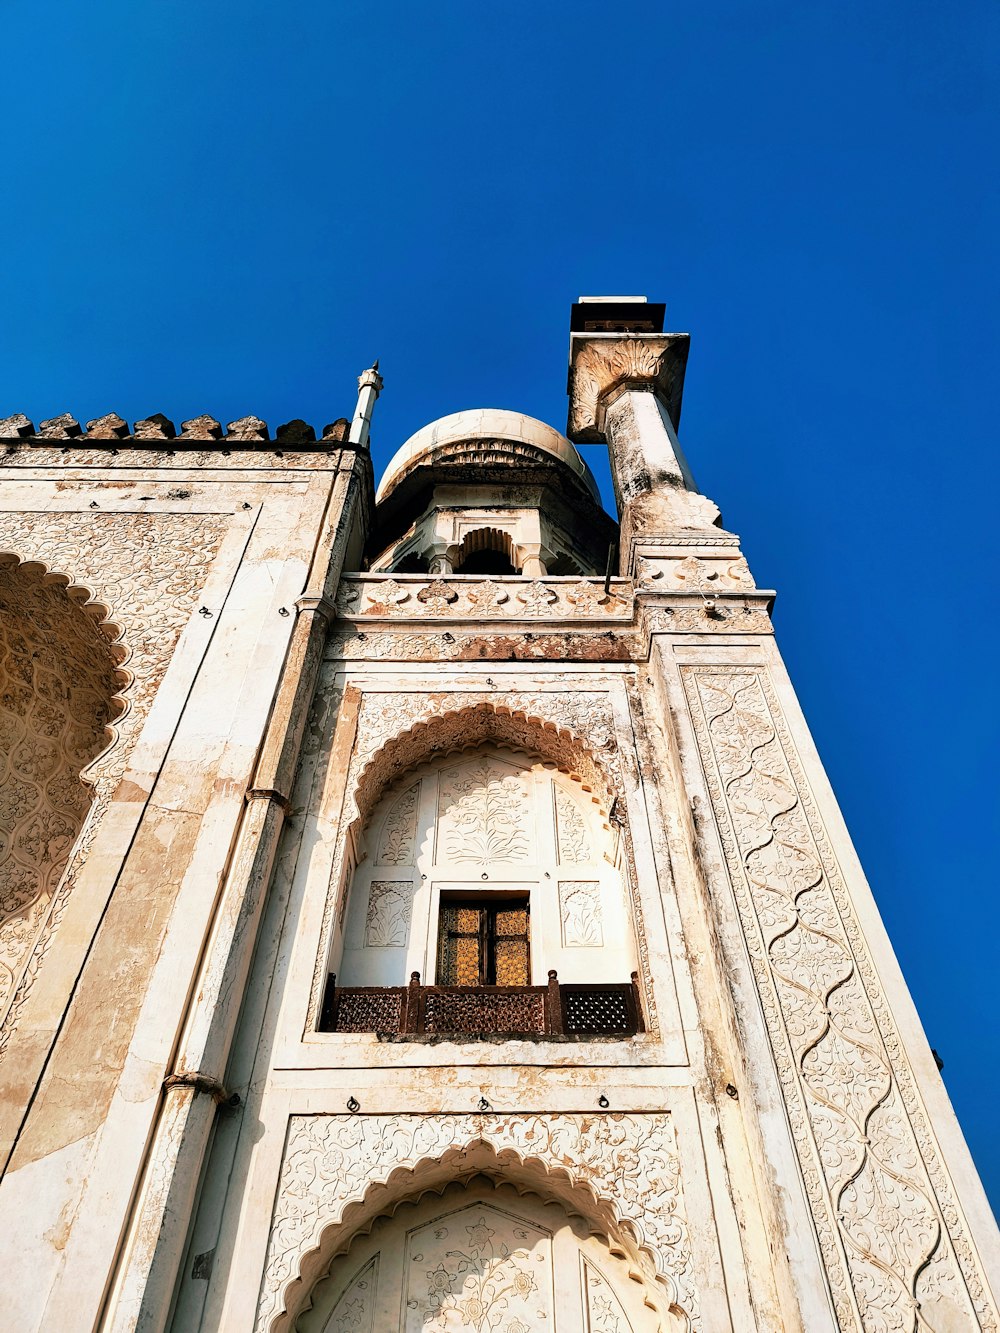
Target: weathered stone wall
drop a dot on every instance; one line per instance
(196, 561)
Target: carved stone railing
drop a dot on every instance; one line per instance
(554, 1011)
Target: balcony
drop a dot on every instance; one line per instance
(554, 1012)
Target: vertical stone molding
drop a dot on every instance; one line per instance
(895, 1246)
(339, 1172)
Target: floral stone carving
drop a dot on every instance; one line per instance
(627, 1165)
(894, 1245)
(387, 921)
(148, 569)
(484, 813)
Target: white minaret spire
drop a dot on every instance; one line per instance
(369, 388)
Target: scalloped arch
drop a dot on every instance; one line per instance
(111, 630)
(468, 726)
(340, 1215)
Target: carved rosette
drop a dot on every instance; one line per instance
(627, 1166)
(896, 1251)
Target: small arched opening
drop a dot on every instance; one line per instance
(488, 551)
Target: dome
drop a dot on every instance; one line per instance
(437, 441)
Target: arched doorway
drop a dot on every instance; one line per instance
(480, 1257)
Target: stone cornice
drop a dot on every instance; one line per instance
(599, 364)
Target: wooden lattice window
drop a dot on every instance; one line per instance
(484, 944)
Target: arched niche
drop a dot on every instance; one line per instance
(60, 692)
(486, 551)
(485, 1255)
(616, 1177)
(486, 866)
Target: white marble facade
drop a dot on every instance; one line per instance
(225, 1104)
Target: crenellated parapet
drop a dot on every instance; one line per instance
(111, 428)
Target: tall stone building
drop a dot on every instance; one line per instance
(424, 909)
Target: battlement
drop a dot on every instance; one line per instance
(158, 428)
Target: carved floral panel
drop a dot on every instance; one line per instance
(387, 922)
(896, 1250)
(396, 845)
(484, 814)
(571, 830)
(627, 1164)
(580, 913)
(480, 1268)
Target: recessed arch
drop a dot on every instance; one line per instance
(657, 1257)
(62, 687)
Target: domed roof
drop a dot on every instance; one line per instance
(436, 441)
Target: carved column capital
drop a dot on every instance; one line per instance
(601, 364)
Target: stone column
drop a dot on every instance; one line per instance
(626, 390)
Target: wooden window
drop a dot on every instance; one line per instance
(483, 943)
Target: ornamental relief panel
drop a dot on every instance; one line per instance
(462, 598)
(894, 1245)
(580, 913)
(396, 845)
(573, 844)
(620, 1172)
(484, 815)
(387, 921)
(481, 1268)
(704, 574)
(148, 569)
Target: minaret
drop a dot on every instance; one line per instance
(369, 387)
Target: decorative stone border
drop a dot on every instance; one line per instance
(894, 1245)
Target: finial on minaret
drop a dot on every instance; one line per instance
(369, 388)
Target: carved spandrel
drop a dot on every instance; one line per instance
(623, 1161)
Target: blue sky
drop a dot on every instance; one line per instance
(233, 208)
